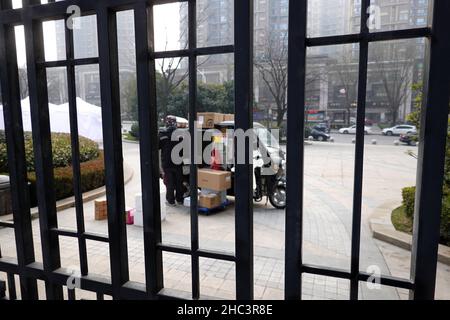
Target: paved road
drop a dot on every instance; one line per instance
(380, 139)
(327, 230)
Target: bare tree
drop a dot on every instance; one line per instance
(345, 69)
(393, 66)
(23, 83)
(272, 67)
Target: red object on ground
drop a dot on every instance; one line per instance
(215, 160)
(129, 214)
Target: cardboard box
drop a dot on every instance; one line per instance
(214, 179)
(222, 194)
(101, 210)
(209, 201)
(207, 120)
(228, 117)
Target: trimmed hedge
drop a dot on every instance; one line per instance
(408, 202)
(134, 132)
(408, 195)
(92, 177)
(61, 148)
(92, 164)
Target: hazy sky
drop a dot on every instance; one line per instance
(167, 26)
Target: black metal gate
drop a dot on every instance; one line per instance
(430, 174)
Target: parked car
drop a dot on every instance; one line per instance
(352, 130)
(317, 134)
(409, 139)
(322, 127)
(399, 130)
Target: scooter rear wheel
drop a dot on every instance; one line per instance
(278, 197)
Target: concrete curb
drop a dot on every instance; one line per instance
(130, 141)
(87, 196)
(383, 230)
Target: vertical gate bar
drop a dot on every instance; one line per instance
(74, 136)
(359, 151)
(112, 141)
(243, 182)
(2, 290)
(12, 112)
(148, 128)
(40, 119)
(12, 295)
(431, 161)
(192, 20)
(295, 148)
(71, 294)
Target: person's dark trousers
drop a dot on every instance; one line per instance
(174, 184)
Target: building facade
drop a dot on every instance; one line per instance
(86, 46)
(326, 90)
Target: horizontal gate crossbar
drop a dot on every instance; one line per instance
(362, 276)
(69, 62)
(92, 282)
(389, 281)
(195, 52)
(6, 224)
(201, 253)
(58, 10)
(371, 37)
(83, 235)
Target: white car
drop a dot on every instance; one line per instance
(399, 130)
(352, 130)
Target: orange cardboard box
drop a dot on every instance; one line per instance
(214, 179)
(101, 210)
(210, 201)
(207, 120)
(228, 117)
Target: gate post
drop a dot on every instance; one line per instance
(112, 137)
(243, 38)
(295, 147)
(433, 138)
(148, 128)
(16, 155)
(40, 119)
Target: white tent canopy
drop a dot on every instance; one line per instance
(89, 118)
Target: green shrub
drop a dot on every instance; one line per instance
(92, 177)
(61, 148)
(408, 200)
(445, 217)
(134, 132)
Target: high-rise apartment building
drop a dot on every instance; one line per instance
(86, 46)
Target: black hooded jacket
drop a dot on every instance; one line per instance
(166, 146)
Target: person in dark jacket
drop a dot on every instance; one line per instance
(173, 173)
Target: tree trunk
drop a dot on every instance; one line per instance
(280, 117)
(349, 115)
(394, 117)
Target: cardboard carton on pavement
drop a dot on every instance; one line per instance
(214, 180)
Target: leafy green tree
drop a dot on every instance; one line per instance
(210, 98)
(414, 117)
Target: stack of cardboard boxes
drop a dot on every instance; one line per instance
(207, 120)
(214, 185)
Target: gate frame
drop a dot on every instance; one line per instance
(430, 172)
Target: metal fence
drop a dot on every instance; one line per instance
(431, 155)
